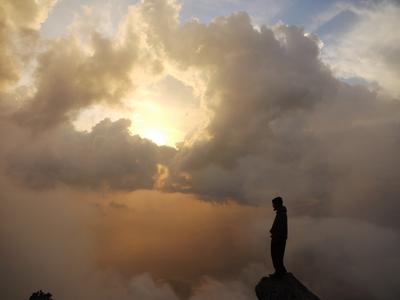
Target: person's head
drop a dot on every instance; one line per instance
(277, 202)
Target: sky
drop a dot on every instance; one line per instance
(142, 143)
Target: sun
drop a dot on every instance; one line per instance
(165, 113)
(156, 136)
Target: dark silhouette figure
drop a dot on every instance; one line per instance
(278, 237)
(41, 296)
(281, 285)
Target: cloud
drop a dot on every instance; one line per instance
(20, 21)
(280, 122)
(367, 49)
(144, 287)
(178, 238)
(85, 68)
(46, 244)
(64, 241)
(265, 91)
(106, 157)
(344, 252)
(69, 79)
(172, 246)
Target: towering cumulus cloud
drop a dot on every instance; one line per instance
(73, 75)
(134, 220)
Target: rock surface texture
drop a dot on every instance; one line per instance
(287, 287)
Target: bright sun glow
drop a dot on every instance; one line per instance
(164, 113)
(156, 136)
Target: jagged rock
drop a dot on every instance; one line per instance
(40, 295)
(287, 287)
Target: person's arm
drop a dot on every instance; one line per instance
(274, 228)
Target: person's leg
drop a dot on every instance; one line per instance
(275, 255)
(280, 254)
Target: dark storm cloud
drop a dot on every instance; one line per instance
(108, 156)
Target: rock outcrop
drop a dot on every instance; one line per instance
(287, 287)
(40, 295)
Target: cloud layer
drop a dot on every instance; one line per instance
(106, 157)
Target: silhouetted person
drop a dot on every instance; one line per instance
(278, 237)
(41, 296)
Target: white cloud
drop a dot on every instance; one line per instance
(370, 48)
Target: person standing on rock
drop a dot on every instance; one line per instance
(278, 237)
